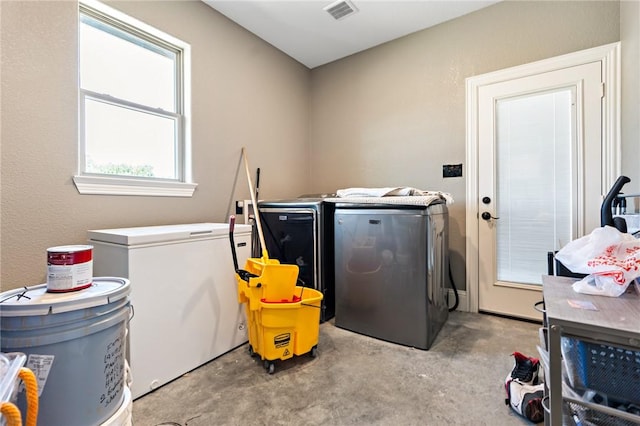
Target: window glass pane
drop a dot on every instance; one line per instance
(534, 196)
(123, 66)
(123, 141)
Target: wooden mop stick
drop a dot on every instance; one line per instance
(265, 255)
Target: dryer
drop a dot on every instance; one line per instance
(299, 232)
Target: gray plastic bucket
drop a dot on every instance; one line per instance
(75, 345)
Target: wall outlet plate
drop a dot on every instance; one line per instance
(451, 170)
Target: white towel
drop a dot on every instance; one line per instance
(402, 191)
(362, 192)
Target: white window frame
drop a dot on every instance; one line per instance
(103, 184)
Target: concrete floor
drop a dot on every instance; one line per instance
(356, 380)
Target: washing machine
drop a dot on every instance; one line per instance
(391, 264)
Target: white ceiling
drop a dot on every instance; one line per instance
(307, 33)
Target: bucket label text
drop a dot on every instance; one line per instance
(113, 371)
(41, 366)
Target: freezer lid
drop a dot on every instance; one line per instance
(164, 233)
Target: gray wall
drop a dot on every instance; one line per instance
(245, 93)
(393, 115)
(630, 108)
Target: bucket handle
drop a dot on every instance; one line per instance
(131, 314)
(306, 304)
(311, 306)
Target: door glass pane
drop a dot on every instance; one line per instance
(533, 182)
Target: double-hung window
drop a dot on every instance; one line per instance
(133, 107)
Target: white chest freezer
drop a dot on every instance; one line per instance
(183, 293)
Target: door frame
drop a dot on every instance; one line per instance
(609, 55)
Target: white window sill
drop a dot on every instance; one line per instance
(102, 185)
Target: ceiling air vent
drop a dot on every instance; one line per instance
(341, 9)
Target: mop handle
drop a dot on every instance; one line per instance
(257, 182)
(232, 224)
(265, 255)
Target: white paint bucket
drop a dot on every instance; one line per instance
(124, 415)
(69, 268)
(75, 344)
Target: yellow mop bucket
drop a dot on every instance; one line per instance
(280, 330)
(284, 319)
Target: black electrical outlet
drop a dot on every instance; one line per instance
(451, 170)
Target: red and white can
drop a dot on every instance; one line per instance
(69, 268)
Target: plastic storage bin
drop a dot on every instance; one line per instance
(283, 318)
(10, 364)
(14, 375)
(613, 371)
(583, 415)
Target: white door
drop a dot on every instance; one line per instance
(539, 179)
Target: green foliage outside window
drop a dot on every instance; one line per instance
(145, 170)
